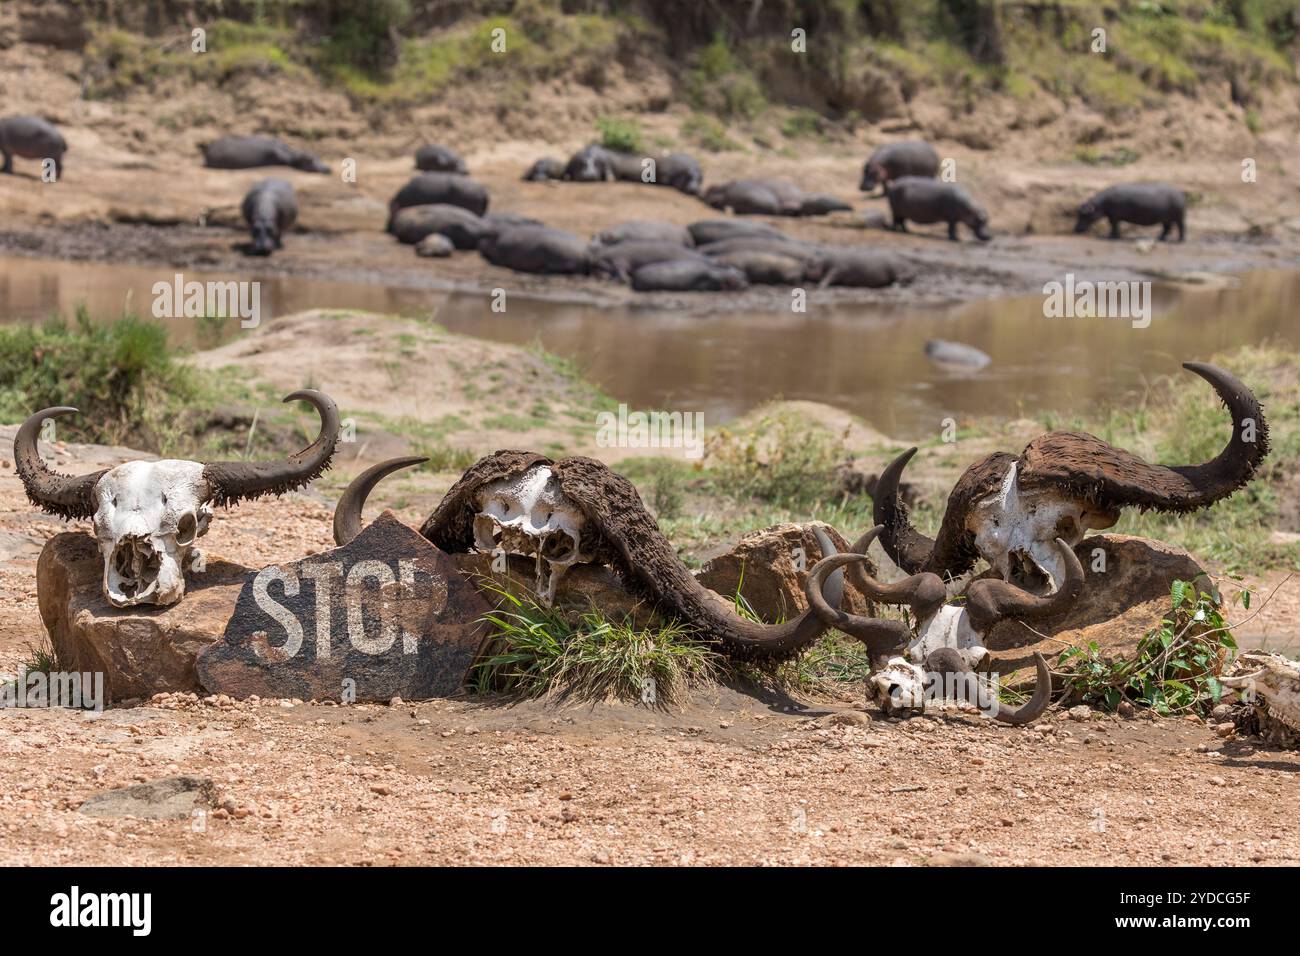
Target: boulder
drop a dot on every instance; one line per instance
(1119, 604)
(762, 566)
(171, 798)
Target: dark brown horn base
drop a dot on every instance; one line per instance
(67, 496)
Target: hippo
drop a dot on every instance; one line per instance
(822, 204)
(462, 227)
(622, 259)
(591, 164)
(912, 157)
(943, 352)
(545, 168)
(780, 246)
(1144, 204)
(432, 158)
(628, 167)
(640, 230)
(745, 197)
(31, 137)
(451, 189)
(536, 249)
(770, 268)
(269, 209)
(681, 172)
(249, 152)
(928, 200)
(434, 246)
(500, 220)
(687, 275)
(864, 268)
(707, 231)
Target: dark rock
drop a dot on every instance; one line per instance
(171, 798)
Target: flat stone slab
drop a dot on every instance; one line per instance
(171, 798)
(386, 615)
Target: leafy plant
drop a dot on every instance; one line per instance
(1177, 665)
(620, 134)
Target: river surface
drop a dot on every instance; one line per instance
(868, 360)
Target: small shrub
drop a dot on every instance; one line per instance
(620, 134)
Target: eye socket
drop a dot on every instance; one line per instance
(186, 528)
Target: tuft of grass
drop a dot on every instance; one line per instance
(537, 650)
(719, 82)
(780, 459)
(622, 135)
(708, 134)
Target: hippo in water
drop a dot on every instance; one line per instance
(536, 249)
(716, 230)
(249, 152)
(688, 275)
(545, 169)
(622, 259)
(462, 227)
(928, 200)
(426, 189)
(943, 352)
(865, 268)
(1144, 204)
(432, 158)
(31, 137)
(643, 230)
(910, 157)
(269, 209)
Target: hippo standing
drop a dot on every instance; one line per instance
(545, 169)
(688, 275)
(536, 249)
(427, 189)
(462, 227)
(433, 158)
(31, 137)
(928, 200)
(644, 230)
(911, 157)
(716, 230)
(270, 209)
(249, 152)
(1144, 204)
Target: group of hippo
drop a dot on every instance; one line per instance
(457, 218)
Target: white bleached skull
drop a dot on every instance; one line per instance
(901, 683)
(530, 515)
(149, 515)
(1015, 529)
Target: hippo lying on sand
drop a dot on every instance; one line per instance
(822, 204)
(1144, 204)
(716, 230)
(433, 158)
(269, 209)
(536, 249)
(644, 230)
(687, 275)
(545, 169)
(31, 137)
(427, 189)
(624, 258)
(681, 172)
(462, 227)
(249, 152)
(865, 268)
(911, 157)
(772, 268)
(752, 197)
(591, 164)
(928, 200)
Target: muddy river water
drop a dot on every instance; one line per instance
(865, 359)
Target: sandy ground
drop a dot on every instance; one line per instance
(732, 776)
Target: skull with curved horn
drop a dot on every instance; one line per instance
(1010, 511)
(148, 515)
(948, 641)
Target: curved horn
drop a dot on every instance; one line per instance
(881, 636)
(231, 481)
(347, 513)
(924, 593)
(1243, 680)
(906, 547)
(990, 600)
(69, 496)
(1235, 465)
(1031, 709)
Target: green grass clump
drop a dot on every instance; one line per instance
(537, 650)
(780, 460)
(622, 135)
(708, 134)
(720, 83)
(120, 375)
